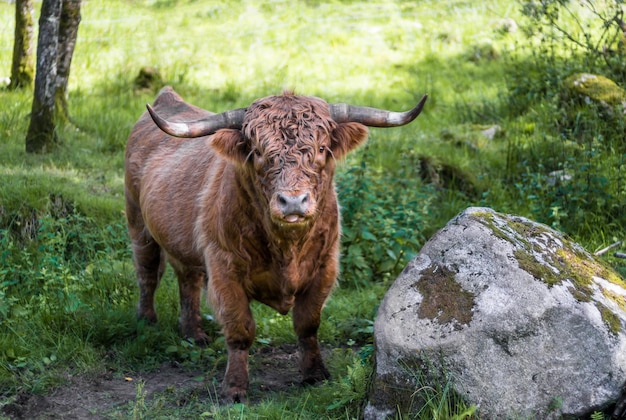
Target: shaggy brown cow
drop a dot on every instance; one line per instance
(250, 201)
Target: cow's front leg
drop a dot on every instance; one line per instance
(232, 309)
(306, 321)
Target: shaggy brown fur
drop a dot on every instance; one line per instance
(223, 206)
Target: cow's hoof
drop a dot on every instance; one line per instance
(196, 336)
(148, 316)
(315, 375)
(235, 395)
(202, 339)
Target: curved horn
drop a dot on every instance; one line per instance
(199, 128)
(374, 117)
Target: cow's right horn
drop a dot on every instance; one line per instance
(199, 128)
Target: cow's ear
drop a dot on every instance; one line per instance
(346, 137)
(231, 144)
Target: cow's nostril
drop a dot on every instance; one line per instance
(282, 200)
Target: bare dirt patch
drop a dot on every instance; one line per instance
(93, 396)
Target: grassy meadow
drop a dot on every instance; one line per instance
(67, 285)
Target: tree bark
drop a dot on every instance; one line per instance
(22, 67)
(58, 30)
(41, 134)
(68, 32)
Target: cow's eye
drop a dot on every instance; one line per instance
(322, 149)
(257, 152)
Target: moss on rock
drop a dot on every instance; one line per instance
(609, 318)
(530, 264)
(444, 299)
(595, 87)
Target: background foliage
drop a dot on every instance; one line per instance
(67, 290)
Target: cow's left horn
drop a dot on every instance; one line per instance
(374, 117)
(199, 128)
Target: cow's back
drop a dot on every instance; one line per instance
(164, 175)
(147, 140)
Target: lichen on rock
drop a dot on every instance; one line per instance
(553, 258)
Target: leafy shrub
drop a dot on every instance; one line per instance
(383, 220)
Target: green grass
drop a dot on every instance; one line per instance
(67, 288)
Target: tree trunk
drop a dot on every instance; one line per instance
(41, 135)
(22, 68)
(68, 31)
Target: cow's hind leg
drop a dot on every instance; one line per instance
(148, 257)
(149, 265)
(190, 284)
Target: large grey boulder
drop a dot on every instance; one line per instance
(521, 322)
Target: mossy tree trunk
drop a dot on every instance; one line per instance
(22, 67)
(68, 31)
(41, 134)
(58, 29)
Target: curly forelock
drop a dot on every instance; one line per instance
(287, 117)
